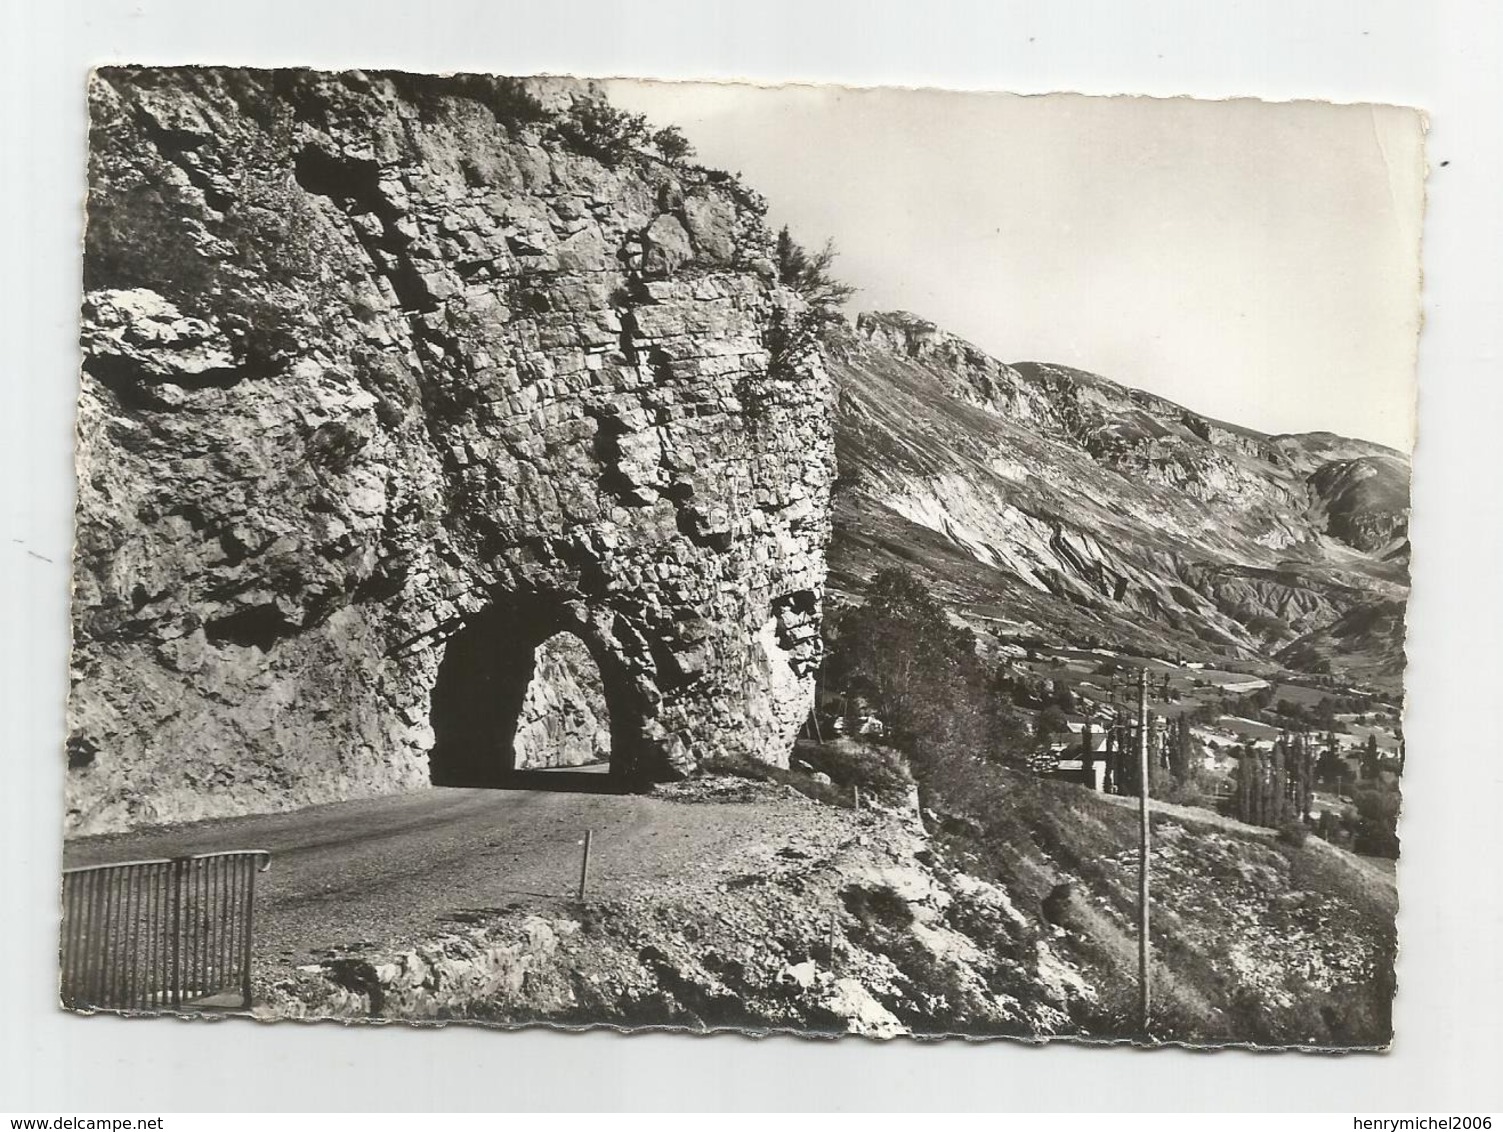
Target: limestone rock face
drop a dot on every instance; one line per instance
(386, 382)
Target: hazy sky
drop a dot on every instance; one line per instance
(1256, 262)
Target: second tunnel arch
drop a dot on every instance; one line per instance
(483, 683)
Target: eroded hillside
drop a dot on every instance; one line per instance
(1044, 500)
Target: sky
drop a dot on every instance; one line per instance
(1256, 262)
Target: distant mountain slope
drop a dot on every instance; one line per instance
(1045, 500)
(1366, 642)
(1366, 502)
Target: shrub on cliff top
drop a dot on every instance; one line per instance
(595, 128)
(508, 99)
(793, 334)
(809, 275)
(671, 144)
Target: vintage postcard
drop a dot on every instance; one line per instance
(876, 562)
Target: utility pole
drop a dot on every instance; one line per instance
(1145, 993)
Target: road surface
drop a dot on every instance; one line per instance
(391, 869)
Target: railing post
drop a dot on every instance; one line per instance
(175, 933)
(68, 952)
(246, 924)
(97, 902)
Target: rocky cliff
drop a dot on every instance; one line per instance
(390, 379)
(1047, 501)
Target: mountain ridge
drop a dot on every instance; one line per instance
(923, 335)
(1057, 502)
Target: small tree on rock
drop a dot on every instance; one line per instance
(671, 144)
(793, 334)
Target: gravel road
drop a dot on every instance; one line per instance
(386, 869)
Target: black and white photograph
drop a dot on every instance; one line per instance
(850, 562)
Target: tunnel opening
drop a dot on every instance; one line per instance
(527, 699)
(565, 722)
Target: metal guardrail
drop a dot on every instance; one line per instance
(148, 935)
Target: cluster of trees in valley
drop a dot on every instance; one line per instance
(901, 656)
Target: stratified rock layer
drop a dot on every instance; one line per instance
(384, 385)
